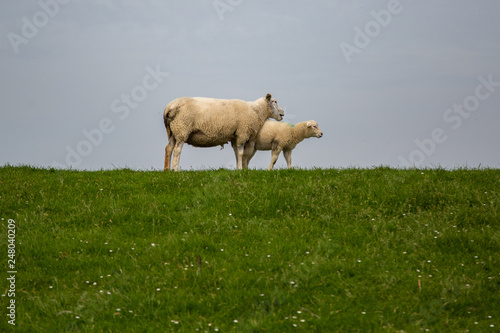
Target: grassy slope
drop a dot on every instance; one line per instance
(299, 250)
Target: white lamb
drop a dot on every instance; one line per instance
(209, 122)
(279, 137)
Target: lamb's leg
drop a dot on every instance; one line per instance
(249, 157)
(168, 153)
(177, 155)
(274, 158)
(288, 157)
(248, 153)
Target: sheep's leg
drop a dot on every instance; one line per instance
(274, 158)
(238, 153)
(235, 149)
(239, 156)
(168, 153)
(166, 165)
(177, 155)
(288, 157)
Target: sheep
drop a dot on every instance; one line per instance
(280, 137)
(210, 122)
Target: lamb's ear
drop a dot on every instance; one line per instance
(308, 124)
(268, 97)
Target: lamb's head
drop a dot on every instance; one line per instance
(276, 112)
(313, 129)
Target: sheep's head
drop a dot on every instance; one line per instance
(276, 111)
(313, 129)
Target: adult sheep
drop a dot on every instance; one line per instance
(279, 137)
(210, 122)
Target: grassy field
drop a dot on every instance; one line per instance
(279, 251)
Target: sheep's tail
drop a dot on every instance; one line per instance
(171, 111)
(166, 121)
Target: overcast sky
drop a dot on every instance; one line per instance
(84, 83)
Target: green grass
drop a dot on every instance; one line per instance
(279, 251)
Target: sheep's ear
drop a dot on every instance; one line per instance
(268, 97)
(308, 124)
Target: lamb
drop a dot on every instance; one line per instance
(280, 137)
(210, 122)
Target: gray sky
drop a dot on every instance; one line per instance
(84, 83)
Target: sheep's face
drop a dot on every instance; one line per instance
(313, 129)
(276, 111)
